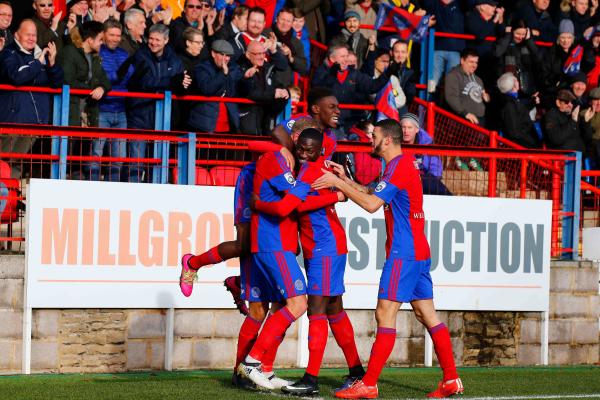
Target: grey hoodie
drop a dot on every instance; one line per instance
(463, 93)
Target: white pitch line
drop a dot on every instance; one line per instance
(533, 397)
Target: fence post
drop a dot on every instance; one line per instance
(570, 221)
(431, 119)
(159, 120)
(555, 209)
(493, 167)
(186, 156)
(423, 75)
(523, 181)
(60, 144)
(430, 57)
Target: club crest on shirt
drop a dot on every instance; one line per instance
(290, 178)
(255, 292)
(290, 124)
(247, 212)
(298, 284)
(380, 186)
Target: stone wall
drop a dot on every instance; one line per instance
(110, 340)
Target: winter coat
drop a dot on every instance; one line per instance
(523, 60)
(151, 75)
(300, 64)
(20, 68)
(428, 164)
(77, 74)
(450, 19)
(46, 35)
(476, 25)
(112, 60)
(208, 80)
(538, 21)
(561, 132)
(517, 126)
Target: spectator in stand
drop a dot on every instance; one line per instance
(368, 166)
(188, 19)
(377, 63)
(450, 19)
(50, 27)
(430, 167)
(295, 97)
(254, 31)
(517, 53)
(208, 22)
(366, 15)
(485, 19)
(290, 47)
(267, 5)
(516, 123)
(22, 63)
(133, 32)
(239, 23)
(193, 45)
(112, 109)
(352, 59)
(77, 13)
(592, 128)
(259, 84)
(6, 14)
(153, 15)
(216, 77)
(562, 129)
(406, 76)
(102, 11)
(579, 88)
(156, 70)
(301, 32)
(349, 85)
(354, 39)
(536, 16)
(313, 11)
(464, 91)
(554, 66)
(83, 70)
(581, 14)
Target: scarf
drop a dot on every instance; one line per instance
(285, 38)
(352, 38)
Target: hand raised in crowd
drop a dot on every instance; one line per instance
(187, 80)
(100, 14)
(42, 56)
(589, 113)
(222, 17)
(52, 51)
(472, 118)
(499, 15)
(372, 42)
(211, 17)
(271, 43)
(55, 21)
(72, 21)
(536, 98)
(535, 32)
(485, 96)
(282, 94)
(593, 7)
(575, 113)
(224, 67)
(286, 50)
(432, 21)
(97, 93)
(250, 72)
(2, 43)
(167, 15)
(588, 31)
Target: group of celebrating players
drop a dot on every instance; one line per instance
(292, 188)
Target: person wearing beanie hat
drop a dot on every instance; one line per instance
(367, 15)
(430, 166)
(579, 87)
(566, 26)
(352, 37)
(515, 120)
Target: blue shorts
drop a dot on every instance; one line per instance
(325, 275)
(282, 274)
(241, 197)
(254, 285)
(405, 280)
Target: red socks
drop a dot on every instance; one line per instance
(270, 355)
(210, 257)
(248, 335)
(317, 340)
(443, 350)
(382, 348)
(275, 326)
(344, 336)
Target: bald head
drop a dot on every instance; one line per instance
(255, 53)
(26, 35)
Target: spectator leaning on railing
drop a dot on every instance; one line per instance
(22, 63)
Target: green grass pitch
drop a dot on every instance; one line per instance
(507, 383)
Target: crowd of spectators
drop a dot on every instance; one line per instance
(534, 94)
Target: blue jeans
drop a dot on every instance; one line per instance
(443, 62)
(137, 149)
(117, 147)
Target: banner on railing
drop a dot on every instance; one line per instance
(118, 245)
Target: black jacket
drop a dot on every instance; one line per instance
(176, 29)
(300, 64)
(516, 124)
(538, 21)
(523, 59)
(562, 133)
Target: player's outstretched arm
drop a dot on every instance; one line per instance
(279, 208)
(368, 202)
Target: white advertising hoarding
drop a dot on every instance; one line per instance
(118, 245)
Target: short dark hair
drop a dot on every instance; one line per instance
(240, 10)
(6, 3)
(316, 94)
(312, 134)
(390, 128)
(90, 29)
(287, 10)
(297, 13)
(112, 23)
(257, 10)
(401, 41)
(468, 52)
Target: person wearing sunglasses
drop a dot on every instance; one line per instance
(188, 19)
(50, 27)
(561, 125)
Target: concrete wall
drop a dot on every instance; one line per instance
(108, 340)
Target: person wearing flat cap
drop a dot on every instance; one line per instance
(430, 166)
(217, 77)
(591, 126)
(578, 88)
(354, 39)
(561, 125)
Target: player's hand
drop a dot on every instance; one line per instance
(326, 181)
(337, 168)
(341, 197)
(289, 157)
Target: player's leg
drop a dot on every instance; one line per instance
(425, 313)
(232, 283)
(270, 355)
(257, 312)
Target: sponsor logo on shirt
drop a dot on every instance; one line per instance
(380, 186)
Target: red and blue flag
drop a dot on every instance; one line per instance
(573, 62)
(409, 26)
(385, 103)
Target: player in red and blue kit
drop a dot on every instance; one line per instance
(324, 249)
(405, 276)
(274, 246)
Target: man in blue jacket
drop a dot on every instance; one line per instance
(22, 63)
(112, 109)
(156, 70)
(216, 77)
